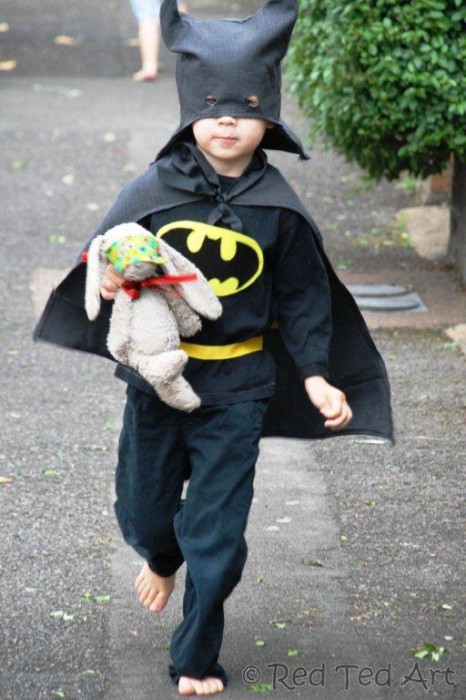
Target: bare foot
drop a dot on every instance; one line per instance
(145, 76)
(196, 686)
(154, 591)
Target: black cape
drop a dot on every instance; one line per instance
(355, 365)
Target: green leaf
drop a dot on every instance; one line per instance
(95, 448)
(421, 654)
(429, 650)
(96, 598)
(101, 598)
(261, 687)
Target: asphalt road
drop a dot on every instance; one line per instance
(356, 548)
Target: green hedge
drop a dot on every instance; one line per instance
(384, 80)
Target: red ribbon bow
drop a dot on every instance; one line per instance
(133, 288)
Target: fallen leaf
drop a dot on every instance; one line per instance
(8, 65)
(261, 687)
(55, 238)
(65, 40)
(101, 598)
(96, 598)
(5, 479)
(95, 448)
(109, 137)
(311, 562)
(4, 27)
(363, 617)
(429, 649)
(68, 179)
(312, 611)
(293, 652)
(92, 206)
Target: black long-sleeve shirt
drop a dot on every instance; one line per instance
(291, 288)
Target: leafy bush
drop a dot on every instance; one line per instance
(384, 80)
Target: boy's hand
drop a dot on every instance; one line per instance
(330, 401)
(110, 284)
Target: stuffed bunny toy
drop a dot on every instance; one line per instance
(162, 297)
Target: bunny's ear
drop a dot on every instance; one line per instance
(199, 295)
(92, 295)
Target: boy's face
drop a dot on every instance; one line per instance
(228, 143)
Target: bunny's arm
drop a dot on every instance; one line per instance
(199, 295)
(187, 320)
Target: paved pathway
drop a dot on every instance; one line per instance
(387, 524)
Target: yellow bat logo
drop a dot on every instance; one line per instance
(230, 261)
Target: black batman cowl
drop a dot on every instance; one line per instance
(222, 63)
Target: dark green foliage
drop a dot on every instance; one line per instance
(384, 80)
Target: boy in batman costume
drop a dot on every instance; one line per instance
(212, 195)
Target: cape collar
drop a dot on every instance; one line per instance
(188, 171)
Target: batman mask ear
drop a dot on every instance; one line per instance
(175, 27)
(278, 18)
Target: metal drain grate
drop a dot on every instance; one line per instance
(386, 297)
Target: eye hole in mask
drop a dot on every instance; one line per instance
(252, 100)
(211, 100)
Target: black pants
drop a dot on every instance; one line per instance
(221, 445)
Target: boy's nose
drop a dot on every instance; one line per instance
(229, 121)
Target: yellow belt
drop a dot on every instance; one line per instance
(223, 352)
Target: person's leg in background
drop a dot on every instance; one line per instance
(147, 15)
